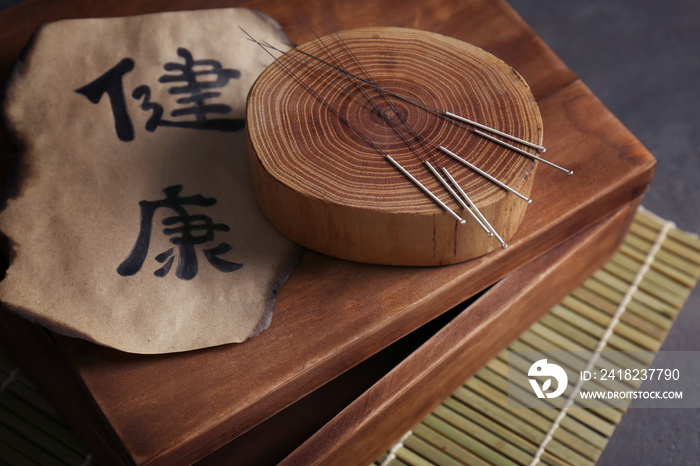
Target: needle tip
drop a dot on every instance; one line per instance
(504, 246)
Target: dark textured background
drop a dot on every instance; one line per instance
(642, 59)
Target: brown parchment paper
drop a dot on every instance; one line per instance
(86, 189)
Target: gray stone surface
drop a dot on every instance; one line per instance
(642, 59)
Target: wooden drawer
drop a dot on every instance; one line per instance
(357, 416)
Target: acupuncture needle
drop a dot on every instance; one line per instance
(397, 165)
(441, 113)
(426, 107)
(370, 100)
(376, 107)
(481, 220)
(478, 217)
(471, 208)
(437, 146)
(489, 228)
(384, 93)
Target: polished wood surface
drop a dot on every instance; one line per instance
(328, 153)
(332, 314)
(411, 390)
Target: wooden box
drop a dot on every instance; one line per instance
(356, 353)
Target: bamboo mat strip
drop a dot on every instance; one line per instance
(31, 432)
(636, 281)
(627, 305)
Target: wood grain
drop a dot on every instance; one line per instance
(389, 408)
(319, 144)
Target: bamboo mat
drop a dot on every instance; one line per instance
(474, 426)
(637, 294)
(31, 431)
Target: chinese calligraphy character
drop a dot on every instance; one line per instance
(111, 84)
(196, 92)
(186, 232)
(195, 81)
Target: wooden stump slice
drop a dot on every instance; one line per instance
(324, 186)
